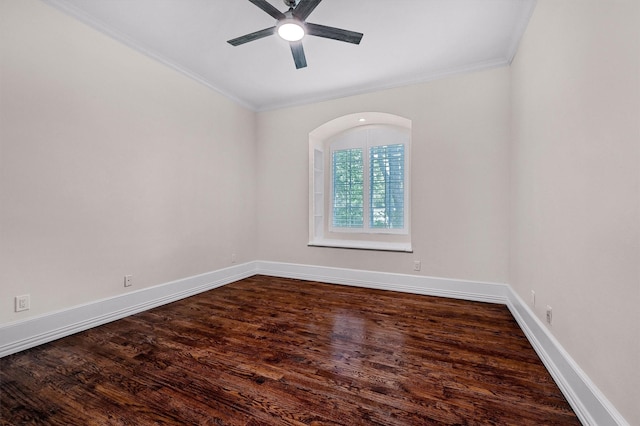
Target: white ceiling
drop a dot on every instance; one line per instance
(405, 41)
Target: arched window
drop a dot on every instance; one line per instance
(359, 182)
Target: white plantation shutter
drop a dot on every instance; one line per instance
(368, 181)
(348, 188)
(386, 186)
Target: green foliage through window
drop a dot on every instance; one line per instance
(386, 191)
(385, 186)
(348, 188)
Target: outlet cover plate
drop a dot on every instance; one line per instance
(23, 303)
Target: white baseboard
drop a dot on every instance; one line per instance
(590, 405)
(417, 284)
(588, 402)
(20, 335)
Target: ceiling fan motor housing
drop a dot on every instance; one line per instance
(292, 26)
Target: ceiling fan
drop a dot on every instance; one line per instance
(292, 26)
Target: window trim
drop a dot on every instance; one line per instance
(362, 245)
(320, 191)
(366, 158)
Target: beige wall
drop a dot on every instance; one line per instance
(111, 164)
(459, 178)
(575, 185)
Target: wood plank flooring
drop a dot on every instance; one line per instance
(271, 351)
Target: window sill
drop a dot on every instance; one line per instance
(363, 245)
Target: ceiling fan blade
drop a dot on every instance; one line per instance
(298, 54)
(333, 33)
(252, 36)
(304, 8)
(267, 7)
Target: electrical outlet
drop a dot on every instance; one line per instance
(417, 265)
(549, 315)
(533, 298)
(128, 280)
(23, 303)
(234, 258)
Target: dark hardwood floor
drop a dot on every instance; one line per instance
(271, 351)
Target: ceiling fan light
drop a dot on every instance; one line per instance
(291, 30)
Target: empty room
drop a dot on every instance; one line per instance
(305, 212)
